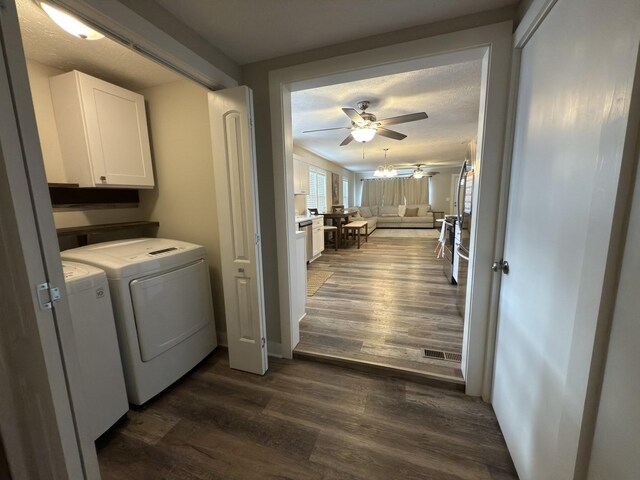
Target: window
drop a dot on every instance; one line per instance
(345, 193)
(317, 197)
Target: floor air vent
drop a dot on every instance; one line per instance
(440, 355)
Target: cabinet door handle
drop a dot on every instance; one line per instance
(103, 178)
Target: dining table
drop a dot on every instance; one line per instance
(337, 219)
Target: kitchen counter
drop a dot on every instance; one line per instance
(303, 218)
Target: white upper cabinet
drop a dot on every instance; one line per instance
(300, 177)
(103, 132)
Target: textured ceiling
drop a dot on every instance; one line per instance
(449, 94)
(253, 30)
(47, 43)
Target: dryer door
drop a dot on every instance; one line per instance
(170, 307)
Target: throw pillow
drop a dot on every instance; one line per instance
(423, 210)
(401, 210)
(365, 212)
(355, 215)
(411, 212)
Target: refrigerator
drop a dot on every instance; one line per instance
(464, 202)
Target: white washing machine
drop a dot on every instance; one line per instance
(97, 344)
(162, 303)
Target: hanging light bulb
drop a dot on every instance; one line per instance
(70, 24)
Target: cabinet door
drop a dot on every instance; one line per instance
(117, 137)
(318, 237)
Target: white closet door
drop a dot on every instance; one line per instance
(233, 141)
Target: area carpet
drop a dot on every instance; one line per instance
(315, 279)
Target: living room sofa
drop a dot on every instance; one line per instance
(418, 216)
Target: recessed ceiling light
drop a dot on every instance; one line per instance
(70, 24)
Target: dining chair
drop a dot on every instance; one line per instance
(313, 211)
(337, 209)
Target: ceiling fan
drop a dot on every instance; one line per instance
(418, 172)
(365, 125)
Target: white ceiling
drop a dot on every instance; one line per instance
(253, 30)
(449, 94)
(47, 43)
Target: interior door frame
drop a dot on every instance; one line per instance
(496, 41)
(46, 399)
(530, 22)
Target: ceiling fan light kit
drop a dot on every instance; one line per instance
(363, 134)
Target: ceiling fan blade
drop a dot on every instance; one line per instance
(411, 117)
(353, 115)
(383, 132)
(327, 129)
(347, 140)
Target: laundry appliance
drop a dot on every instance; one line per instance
(163, 308)
(97, 345)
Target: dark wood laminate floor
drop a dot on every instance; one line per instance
(382, 306)
(305, 420)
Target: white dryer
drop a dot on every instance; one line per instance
(163, 307)
(97, 345)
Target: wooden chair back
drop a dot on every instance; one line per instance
(313, 211)
(337, 209)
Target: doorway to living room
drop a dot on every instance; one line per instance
(385, 288)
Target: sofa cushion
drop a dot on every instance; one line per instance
(411, 212)
(389, 210)
(418, 220)
(366, 212)
(355, 215)
(392, 219)
(402, 210)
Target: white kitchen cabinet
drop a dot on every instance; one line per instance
(103, 132)
(318, 236)
(300, 177)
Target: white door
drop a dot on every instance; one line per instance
(43, 419)
(576, 76)
(453, 201)
(232, 133)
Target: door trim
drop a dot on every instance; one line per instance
(495, 41)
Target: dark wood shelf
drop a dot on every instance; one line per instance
(84, 231)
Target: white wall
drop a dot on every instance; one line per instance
(43, 107)
(184, 200)
(328, 166)
(440, 189)
(616, 444)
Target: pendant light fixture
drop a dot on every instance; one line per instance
(69, 23)
(385, 171)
